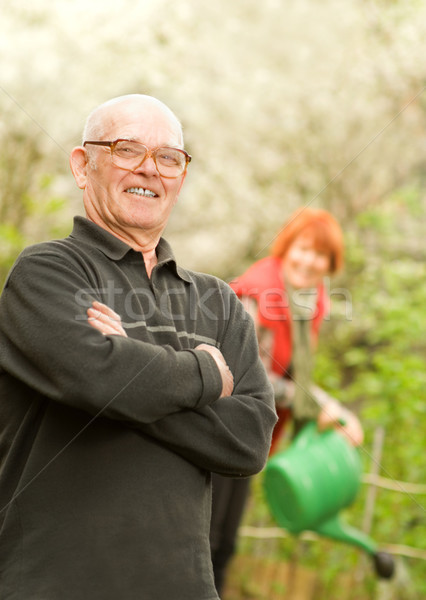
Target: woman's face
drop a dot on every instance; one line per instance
(304, 266)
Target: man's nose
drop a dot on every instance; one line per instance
(147, 166)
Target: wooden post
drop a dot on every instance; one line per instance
(367, 521)
(379, 437)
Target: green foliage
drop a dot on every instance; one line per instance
(376, 363)
(38, 221)
(11, 243)
(30, 208)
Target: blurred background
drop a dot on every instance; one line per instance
(284, 103)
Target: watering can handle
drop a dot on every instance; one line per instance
(308, 433)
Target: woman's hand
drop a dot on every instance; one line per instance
(105, 320)
(344, 421)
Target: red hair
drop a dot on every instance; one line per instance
(321, 225)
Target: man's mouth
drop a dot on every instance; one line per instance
(141, 192)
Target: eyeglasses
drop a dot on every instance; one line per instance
(128, 155)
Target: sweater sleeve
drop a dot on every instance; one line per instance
(47, 343)
(231, 436)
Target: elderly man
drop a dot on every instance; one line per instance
(124, 381)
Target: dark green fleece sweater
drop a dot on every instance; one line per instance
(107, 442)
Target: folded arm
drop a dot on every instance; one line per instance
(108, 322)
(47, 343)
(232, 435)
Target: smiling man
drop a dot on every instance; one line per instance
(132, 195)
(125, 380)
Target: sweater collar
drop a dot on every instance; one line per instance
(88, 232)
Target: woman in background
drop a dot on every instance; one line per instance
(286, 296)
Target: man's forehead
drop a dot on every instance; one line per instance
(139, 130)
(138, 123)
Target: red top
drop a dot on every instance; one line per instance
(264, 283)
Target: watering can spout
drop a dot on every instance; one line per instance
(338, 530)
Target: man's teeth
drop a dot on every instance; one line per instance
(141, 192)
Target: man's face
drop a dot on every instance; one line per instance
(124, 201)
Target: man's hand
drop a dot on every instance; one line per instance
(105, 320)
(344, 421)
(225, 372)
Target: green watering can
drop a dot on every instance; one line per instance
(307, 485)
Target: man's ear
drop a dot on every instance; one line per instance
(78, 164)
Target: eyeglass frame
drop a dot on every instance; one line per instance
(149, 153)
